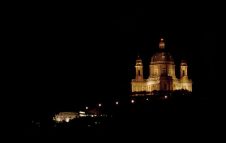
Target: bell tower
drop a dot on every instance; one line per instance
(139, 69)
(183, 69)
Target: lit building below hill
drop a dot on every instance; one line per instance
(68, 116)
(161, 74)
(65, 116)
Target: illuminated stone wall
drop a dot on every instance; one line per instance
(65, 116)
(138, 86)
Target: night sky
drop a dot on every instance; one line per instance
(68, 56)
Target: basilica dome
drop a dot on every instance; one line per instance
(162, 57)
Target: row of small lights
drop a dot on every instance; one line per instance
(117, 102)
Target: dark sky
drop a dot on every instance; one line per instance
(72, 55)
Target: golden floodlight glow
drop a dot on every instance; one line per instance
(67, 119)
(162, 74)
(65, 116)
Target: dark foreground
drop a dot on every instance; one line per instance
(185, 117)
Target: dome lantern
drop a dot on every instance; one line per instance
(162, 44)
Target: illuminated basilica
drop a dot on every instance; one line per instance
(161, 74)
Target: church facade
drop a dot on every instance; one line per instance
(161, 74)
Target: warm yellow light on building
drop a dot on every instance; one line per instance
(162, 74)
(65, 116)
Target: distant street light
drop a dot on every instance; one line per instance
(132, 101)
(116, 102)
(99, 105)
(147, 99)
(87, 107)
(165, 97)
